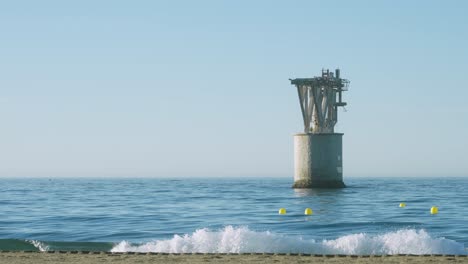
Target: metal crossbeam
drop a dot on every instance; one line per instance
(319, 98)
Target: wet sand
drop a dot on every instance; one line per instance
(104, 257)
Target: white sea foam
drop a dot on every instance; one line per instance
(39, 245)
(241, 239)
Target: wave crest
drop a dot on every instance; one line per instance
(243, 240)
(41, 246)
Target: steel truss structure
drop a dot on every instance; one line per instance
(320, 98)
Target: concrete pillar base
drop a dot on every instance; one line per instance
(307, 184)
(318, 161)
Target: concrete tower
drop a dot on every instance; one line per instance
(318, 155)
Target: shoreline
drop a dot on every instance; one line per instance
(86, 257)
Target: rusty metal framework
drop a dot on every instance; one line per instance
(320, 98)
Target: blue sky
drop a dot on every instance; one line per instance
(200, 88)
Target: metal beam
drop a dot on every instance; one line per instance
(318, 100)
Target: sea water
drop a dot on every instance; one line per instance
(234, 215)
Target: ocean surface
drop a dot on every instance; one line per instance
(234, 215)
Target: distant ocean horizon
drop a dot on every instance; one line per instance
(234, 215)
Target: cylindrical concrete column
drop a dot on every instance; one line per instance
(318, 160)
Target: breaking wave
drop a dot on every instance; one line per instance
(243, 240)
(41, 246)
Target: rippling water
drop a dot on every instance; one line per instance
(234, 215)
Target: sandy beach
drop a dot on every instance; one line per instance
(105, 257)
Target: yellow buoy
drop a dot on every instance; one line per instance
(308, 211)
(434, 210)
(282, 211)
(402, 205)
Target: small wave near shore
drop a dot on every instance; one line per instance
(243, 240)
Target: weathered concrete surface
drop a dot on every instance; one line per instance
(143, 258)
(318, 160)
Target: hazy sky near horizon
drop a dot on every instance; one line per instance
(200, 88)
